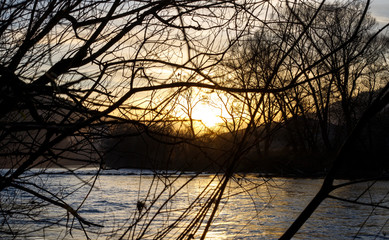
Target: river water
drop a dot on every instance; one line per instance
(252, 207)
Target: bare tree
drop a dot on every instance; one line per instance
(323, 68)
(344, 72)
(72, 71)
(76, 72)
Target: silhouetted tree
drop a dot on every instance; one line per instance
(71, 72)
(333, 52)
(75, 73)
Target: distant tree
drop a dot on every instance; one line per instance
(357, 65)
(353, 69)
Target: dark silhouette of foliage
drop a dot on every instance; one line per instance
(83, 79)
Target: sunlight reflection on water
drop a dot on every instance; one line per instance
(252, 207)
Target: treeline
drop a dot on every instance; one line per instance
(293, 147)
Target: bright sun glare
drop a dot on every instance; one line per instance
(209, 116)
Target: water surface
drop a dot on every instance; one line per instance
(252, 207)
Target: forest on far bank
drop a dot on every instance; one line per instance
(291, 148)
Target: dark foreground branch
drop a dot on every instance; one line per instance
(61, 204)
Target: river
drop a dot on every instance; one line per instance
(252, 207)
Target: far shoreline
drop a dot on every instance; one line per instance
(239, 174)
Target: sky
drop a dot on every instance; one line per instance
(380, 10)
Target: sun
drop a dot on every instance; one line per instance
(208, 115)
